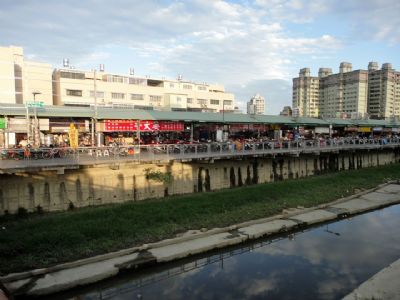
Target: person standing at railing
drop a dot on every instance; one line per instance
(238, 145)
(27, 152)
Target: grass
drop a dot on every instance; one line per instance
(40, 240)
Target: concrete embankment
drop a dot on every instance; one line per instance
(54, 189)
(69, 275)
(383, 285)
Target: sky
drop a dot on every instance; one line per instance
(249, 46)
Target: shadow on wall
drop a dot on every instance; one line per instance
(90, 186)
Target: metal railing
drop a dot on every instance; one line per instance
(47, 157)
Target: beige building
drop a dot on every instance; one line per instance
(306, 94)
(19, 78)
(343, 93)
(383, 91)
(75, 87)
(348, 93)
(256, 105)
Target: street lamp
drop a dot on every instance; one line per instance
(223, 111)
(36, 126)
(94, 119)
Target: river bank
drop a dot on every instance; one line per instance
(31, 241)
(50, 280)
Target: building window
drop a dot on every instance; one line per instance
(178, 99)
(75, 93)
(214, 102)
(117, 79)
(138, 81)
(227, 102)
(187, 86)
(171, 85)
(189, 100)
(118, 96)
(98, 94)
(202, 88)
(154, 98)
(72, 75)
(201, 101)
(137, 97)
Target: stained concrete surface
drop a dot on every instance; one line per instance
(383, 285)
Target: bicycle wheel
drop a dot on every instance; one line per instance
(61, 153)
(46, 154)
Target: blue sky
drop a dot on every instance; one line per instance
(250, 46)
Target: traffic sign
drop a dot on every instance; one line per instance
(35, 104)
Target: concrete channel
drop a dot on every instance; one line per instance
(69, 275)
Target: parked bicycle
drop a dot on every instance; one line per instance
(54, 153)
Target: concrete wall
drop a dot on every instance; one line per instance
(105, 184)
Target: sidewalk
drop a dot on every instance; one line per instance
(69, 275)
(383, 285)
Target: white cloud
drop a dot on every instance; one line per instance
(234, 43)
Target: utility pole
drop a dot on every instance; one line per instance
(223, 111)
(36, 140)
(28, 121)
(94, 121)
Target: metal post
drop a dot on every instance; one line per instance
(191, 133)
(93, 139)
(36, 133)
(28, 121)
(95, 108)
(223, 112)
(6, 132)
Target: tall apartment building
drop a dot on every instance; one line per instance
(256, 105)
(383, 91)
(306, 93)
(78, 87)
(343, 93)
(348, 92)
(19, 78)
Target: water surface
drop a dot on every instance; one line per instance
(325, 262)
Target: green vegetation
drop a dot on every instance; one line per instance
(158, 176)
(29, 241)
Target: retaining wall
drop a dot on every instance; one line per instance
(114, 183)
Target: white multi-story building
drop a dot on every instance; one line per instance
(19, 78)
(79, 87)
(256, 105)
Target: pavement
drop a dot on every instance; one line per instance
(66, 276)
(383, 285)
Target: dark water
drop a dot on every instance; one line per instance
(325, 262)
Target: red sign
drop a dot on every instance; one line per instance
(131, 125)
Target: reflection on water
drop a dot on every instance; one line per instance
(326, 262)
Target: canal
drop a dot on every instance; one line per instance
(324, 262)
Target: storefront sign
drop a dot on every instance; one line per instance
(73, 136)
(395, 129)
(58, 129)
(364, 129)
(131, 125)
(351, 129)
(245, 127)
(377, 129)
(2, 123)
(321, 129)
(44, 124)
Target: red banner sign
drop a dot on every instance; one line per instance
(131, 125)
